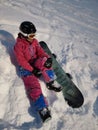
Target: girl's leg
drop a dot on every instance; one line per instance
(47, 73)
(34, 92)
(32, 87)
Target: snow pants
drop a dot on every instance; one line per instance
(32, 85)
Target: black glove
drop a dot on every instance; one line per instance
(37, 72)
(48, 63)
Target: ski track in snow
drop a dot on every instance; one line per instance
(70, 27)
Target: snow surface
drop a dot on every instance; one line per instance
(70, 28)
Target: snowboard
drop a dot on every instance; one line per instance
(70, 91)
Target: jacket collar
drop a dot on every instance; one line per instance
(21, 36)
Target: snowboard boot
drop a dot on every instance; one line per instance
(45, 114)
(54, 85)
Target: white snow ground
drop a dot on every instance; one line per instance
(70, 27)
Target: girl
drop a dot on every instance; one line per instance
(34, 61)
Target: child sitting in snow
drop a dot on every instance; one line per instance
(33, 62)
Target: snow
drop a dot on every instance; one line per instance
(70, 28)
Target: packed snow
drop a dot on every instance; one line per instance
(70, 28)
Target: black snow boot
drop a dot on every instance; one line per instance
(45, 114)
(54, 85)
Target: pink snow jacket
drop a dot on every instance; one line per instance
(28, 51)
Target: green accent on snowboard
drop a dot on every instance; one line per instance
(70, 92)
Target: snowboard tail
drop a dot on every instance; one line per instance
(71, 93)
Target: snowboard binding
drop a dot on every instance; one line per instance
(69, 75)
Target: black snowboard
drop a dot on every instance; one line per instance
(71, 93)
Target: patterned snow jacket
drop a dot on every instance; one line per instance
(27, 52)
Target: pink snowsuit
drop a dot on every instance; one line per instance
(27, 52)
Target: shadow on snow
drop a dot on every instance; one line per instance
(8, 41)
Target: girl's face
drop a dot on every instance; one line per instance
(31, 36)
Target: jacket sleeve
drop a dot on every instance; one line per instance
(20, 57)
(40, 51)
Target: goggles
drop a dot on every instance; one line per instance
(31, 36)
